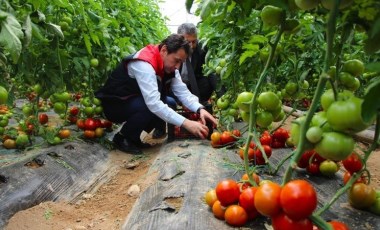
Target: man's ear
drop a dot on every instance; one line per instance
(164, 49)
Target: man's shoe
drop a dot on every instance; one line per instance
(122, 144)
(158, 133)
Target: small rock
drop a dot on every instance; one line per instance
(87, 196)
(80, 227)
(134, 190)
(132, 165)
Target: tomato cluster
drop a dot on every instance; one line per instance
(93, 127)
(220, 139)
(289, 207)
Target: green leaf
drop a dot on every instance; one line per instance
(189, 4)
(371, 103)
(206, 9)
(55, 29)
(11, 35)
(27, 27)
(87, 43)
(371, 44)
(245, 55)
(373, 67)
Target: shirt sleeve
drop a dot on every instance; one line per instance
(146, 78)
(181, 91)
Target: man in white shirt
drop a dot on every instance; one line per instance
(136, 92)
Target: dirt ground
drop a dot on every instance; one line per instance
(109, 206)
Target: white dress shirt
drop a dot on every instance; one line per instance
(146, 78)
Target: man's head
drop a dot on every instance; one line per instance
(189, 31)
(174, 51)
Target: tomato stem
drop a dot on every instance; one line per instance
(320, 222)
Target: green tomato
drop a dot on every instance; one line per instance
(4, 121)
(222, 62)
(354, 67)
(346, 115)
(264, 119)
(305, 85)
(232, 112)
(22, 140)
(218, 70)
(291, 88)
(244, 115)
(329, 4)
(89, 111)
(268, 101)
(59, 107)
(2, 130)
(335, 146)
(223, 103)
(375, 207)
(314, 134)
(37, 88)
(292, 26)
(27, 110)
(320, 120)
(94, 62)
(306, 4)
(3, 95)
(243, 101)
(272, 15)
(347, 79)
(328, 168)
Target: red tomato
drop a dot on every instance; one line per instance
(298, 199)
(265, 139)
(43, 118)
(90, 124)
(353, 163)
(236, 133)
(74, 111)
(72, 119)
(228, 192)
(258, 158)
(226, 138)
(283, 222)
(252, 144)
(267, 199)
(277, 144)
(247, 199)
(235, 215)
(80, 124)
(338, 225)
(305, 158)
(280, 134)
(106, 124)
(313, 168)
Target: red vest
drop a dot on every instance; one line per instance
(151, 54)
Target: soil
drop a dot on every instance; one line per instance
(110, 205)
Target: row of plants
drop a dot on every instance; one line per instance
(318, 56)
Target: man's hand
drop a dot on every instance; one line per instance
(196, 128)
(206, 116)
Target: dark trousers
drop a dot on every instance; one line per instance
(135, 114)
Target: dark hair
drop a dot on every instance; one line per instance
(187, 28)
(174, 42)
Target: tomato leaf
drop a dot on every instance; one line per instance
(55, 29)
(11, 35)
(27, 27)
(371, 44)
(373, 67)
(189, 4)
(371, 103)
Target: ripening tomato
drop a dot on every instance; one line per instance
(235, 215)
(89, 134)
(210, 197)
(298, 199)
(280, 134)
(64, 133)
(361, 196)
(337, 225)
(247, 199)
(353, 163)
(80, 124)
(226, 138)
(305, 158)
(228, 192)
(267, 199)
(251, 153)
(236, 133)
(90, 124)
(218, 210)
(347, 177)
(313, 168)
(215, 138)
(283, 222)
(106, 124)
(255, 177)
(74, 111)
